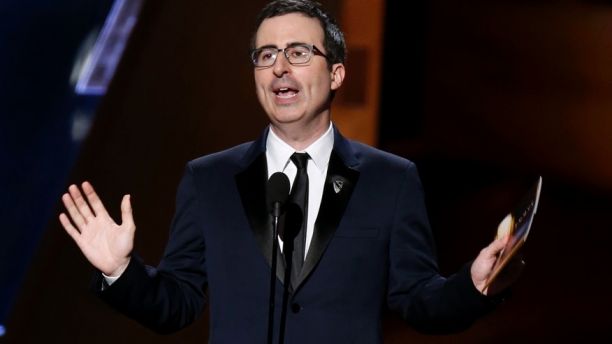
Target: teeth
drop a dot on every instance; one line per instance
(288, 94)
(285, 92)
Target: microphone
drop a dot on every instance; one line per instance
(277, 193)
(293, 222)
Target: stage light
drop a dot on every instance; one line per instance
(98, 66)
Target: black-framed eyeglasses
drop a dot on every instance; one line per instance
(296, 54)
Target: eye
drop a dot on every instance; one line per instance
(266, 55)
(298, 54)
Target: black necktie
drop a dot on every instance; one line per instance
(299, 195)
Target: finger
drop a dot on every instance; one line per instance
(75, 215)
(127, 219)
(496, 246)
(94, 200)
(70, 229)
(80, 202)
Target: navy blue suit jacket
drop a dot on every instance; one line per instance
(372, 248)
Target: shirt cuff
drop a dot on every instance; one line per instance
(107, 281)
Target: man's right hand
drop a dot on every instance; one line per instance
(104, 243)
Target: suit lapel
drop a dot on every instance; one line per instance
(340, 181)
(251, 183)
(339, 184)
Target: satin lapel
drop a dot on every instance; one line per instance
(251, 184)
(339, 185)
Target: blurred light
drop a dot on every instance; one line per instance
(83, 55)
(81, 123)
(2, 331)
(99, 66)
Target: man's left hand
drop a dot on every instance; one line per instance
(482, 267)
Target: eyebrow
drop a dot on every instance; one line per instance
(276, 47)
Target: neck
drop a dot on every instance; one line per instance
(298, 136)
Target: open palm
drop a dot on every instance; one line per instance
(104, 243)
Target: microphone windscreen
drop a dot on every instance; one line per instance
(278, 189)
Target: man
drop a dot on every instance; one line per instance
(366, 241)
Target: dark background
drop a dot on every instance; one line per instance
(483, 95)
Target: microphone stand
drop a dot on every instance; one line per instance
(293, 222)
(287, 252)
(276, 215)
(277, 193)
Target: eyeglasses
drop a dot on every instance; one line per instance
(296, 54)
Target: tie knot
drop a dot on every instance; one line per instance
(300, 160)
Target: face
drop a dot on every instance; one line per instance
(295, 94)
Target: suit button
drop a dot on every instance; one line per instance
(296, 308)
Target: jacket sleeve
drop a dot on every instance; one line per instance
(427, 301)
(171, 296)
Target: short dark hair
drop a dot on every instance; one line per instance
(335, 47)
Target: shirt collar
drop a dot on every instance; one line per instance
(279, 151)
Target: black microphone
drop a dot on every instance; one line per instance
(277, 194)
(292, 224)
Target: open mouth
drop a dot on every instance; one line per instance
(286, 92)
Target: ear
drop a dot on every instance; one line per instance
(337, 76)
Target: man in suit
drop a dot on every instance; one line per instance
(366, 242)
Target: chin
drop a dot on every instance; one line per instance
(286, 119)
(284, 116)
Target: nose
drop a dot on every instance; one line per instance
(281, 65)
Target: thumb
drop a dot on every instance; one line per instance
(127, 219)
(497, 245)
